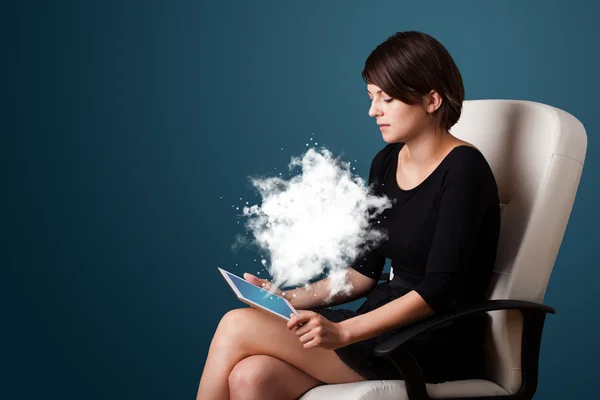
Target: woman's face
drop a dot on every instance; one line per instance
(398, 121)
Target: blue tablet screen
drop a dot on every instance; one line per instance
(261, 296)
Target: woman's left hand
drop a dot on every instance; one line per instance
(317, 331)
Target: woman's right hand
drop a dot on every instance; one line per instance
(262, 283)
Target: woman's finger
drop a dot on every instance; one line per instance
(307, 337)
(296, 320)
(315, 342)
(303, 329)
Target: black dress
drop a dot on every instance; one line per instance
(442, 237)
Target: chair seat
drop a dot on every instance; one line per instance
(396, 390)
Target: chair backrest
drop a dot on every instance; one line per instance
(536, 153)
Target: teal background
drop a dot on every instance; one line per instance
(129, 129)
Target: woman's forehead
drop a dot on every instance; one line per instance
(373, 89)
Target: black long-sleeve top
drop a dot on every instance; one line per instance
(441, 235)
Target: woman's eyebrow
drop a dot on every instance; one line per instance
(379, 91)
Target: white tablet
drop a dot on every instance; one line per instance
(255, 296)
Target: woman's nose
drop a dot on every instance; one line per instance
(373, 110)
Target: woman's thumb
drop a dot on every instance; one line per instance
(251, 278)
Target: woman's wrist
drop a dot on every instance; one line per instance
(345, 333)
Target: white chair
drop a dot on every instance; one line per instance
(536, 153)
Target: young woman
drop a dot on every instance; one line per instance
(442, 235)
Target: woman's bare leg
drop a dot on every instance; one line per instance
(246, 332)
(265, 377)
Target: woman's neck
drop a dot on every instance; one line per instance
(427, 148)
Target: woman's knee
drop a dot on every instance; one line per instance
(234, 322)
(251, 378)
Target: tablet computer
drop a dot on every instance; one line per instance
(255, 296)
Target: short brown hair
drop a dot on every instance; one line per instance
(408, 65)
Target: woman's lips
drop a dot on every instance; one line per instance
(383, 126)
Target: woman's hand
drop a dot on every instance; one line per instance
(317, 331)
(262, 283)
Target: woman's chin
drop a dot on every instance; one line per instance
(390, 138)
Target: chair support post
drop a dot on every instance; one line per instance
(411, 373)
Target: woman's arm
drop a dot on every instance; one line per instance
(316, 331)
(314, 296)
(400, 312)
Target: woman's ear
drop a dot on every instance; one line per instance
(433, 101)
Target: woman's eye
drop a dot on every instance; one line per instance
(386, 100)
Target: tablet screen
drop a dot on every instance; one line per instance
(260, 296)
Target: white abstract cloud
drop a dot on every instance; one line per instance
(316, 222)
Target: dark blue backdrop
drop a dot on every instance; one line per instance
(129, 129)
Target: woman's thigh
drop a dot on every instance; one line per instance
(266, 377)
(260, 333)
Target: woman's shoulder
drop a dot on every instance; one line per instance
(466, 155)
(466, 161)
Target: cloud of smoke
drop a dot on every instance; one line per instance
(316, 222)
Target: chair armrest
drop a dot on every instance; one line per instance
(429, 323)
(533, 322)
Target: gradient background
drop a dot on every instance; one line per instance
(125, 122)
